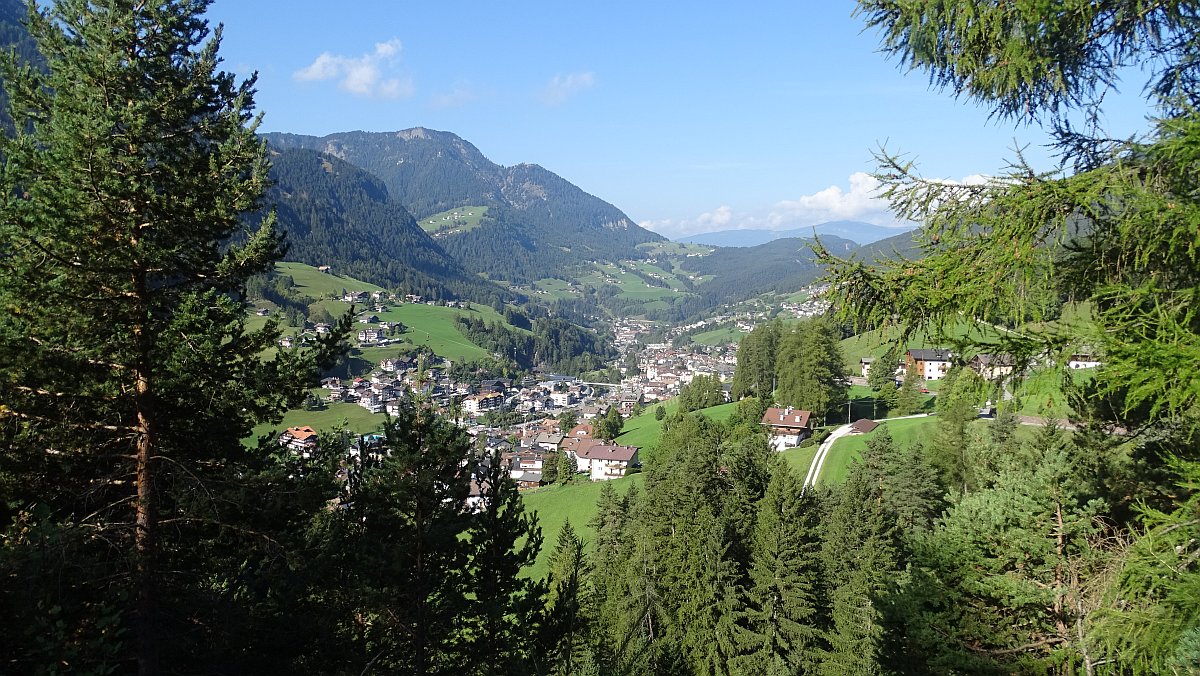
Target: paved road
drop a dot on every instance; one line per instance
(814, 470)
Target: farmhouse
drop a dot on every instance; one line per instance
(301, 439)
(788, 426)
(930, 364)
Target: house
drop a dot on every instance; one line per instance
(1083, 359)
(992, 366)
(788, 426)
(262, 312)
(547, 441)
(481, 403)
(582, 430)
(355, 297)
(302, 439)
(287, 342)
(603, 462)
(369, 335)
(930, 364)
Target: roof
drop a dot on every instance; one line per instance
(608, 452)
(930, 354)
(301, 433)
(785, 417)
(863, 425)
(581, 430)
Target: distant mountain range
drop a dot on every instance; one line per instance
(855, 231)
(537, 221)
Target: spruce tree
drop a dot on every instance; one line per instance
(130, 378)
(505, 609)
(779, 632)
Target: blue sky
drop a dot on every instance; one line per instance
(689, 117)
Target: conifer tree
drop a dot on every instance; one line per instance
(779, 625)
(130, 378)
(908, 397)
(505, 608)
(567, 625)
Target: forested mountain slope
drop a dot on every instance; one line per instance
(337, 214)
(535, 217)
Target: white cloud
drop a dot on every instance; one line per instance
(361, 75)
(461, 94)
(563, 87)
(861, 202)
(857, 201)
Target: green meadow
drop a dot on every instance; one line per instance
(453, 221)
(554, 505)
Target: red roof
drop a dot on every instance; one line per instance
(302, 432)
(785, 417)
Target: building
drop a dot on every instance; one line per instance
(603, 462)
(788, 426)
(929, 364)
(302, 439)
(482, 403)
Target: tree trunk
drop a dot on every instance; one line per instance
(145, 530)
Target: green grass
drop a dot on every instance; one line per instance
(434, 326)
(848, 449)
(453, 221)
(799, 459)
(721, 336)
(577, 502)
(316, 284)
(355, 417)
(644, 431)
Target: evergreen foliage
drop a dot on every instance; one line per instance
(130, 378)
(810, 369)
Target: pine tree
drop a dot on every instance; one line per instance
(882, 378)
(130, 379)
(780, 634)
(567, 603)
(755, 373)
(810, 368)
(506, 606)
(908, 398)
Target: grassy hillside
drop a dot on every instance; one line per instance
(849, 448)
(577, 502)
(644, 431)
(352, 416)
(453, 221)
(316, 284)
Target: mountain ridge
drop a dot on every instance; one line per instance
(856, 231)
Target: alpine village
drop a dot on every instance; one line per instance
(370, 403)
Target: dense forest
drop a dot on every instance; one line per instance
(540, 224)
(551, 343)
(334, 213)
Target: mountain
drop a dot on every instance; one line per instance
(538, 224)
(855, 231)
(738, 273)
(334, 213)
(903, 244)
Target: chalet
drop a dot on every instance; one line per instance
(287, 342)
(369, 335)
(322, 329)
(324, 268)
(547, 441)
(992, 366)
(930, 364)
(355, 297)
(581, 431)
(788, 426)
(603, 462)
(262, 312)
(302, 440)
(1083, 359)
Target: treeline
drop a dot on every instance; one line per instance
(552, 343)
(799, 365)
